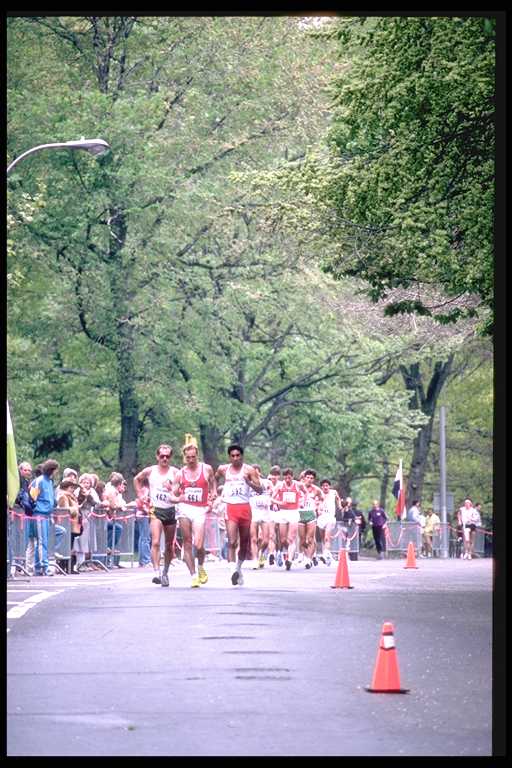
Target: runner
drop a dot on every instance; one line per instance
(287, 498)
(161, 479)
(239, 479)
(326, 520)
(311, 498)
(274, 477)
(198, 489)
(261, 521)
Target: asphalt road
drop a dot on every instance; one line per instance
(111, 664)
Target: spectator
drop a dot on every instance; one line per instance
(87, 498)
(432, 526)
(24, 500)
(143, 504)
(377, 518)
(361, 522)
(42, 492)
(67, 499)
(469, 519)
(413, 513)
(113, 500)
(219, 510)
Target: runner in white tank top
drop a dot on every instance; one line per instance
(161, 479)
(260, 522)
(239, 479)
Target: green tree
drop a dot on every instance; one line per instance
(411, 183)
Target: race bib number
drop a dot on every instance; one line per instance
(193, 494)
(162, 496)
(238, 489)
(289, 497)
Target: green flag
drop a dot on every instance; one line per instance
(13, 478)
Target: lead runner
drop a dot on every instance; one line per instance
(239, 479)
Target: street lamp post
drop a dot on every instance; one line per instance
(93, 146)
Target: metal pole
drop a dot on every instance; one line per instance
(93, 146)
(442, 466)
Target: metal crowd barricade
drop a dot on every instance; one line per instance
(122, 535)
(212, 536)
(23, 538)
(97, 535)
(399, 533)
(59, 517)
(345, 536)
(17, 541)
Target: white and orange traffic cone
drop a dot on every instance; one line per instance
(386, 677)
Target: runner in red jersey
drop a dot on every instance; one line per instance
(287, 497)
(239, 479)
(197, 489)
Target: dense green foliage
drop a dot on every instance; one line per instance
(412, 182)
(153, 291)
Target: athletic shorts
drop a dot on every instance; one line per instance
(325, 520)
(307, 516)
(166, 516)
(191, 512)
(238, 513)
(261, 514)
(284, 516)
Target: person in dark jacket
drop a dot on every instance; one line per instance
(24, 500)
(377, 518)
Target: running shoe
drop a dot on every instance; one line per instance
(280, 560)
(288, 564)
(271, 560)
(315, 561)
(261, 561)
(240, 579)
(203, 576)
(195, 581)
(328, 561)
(235, 578)
(156, 579)
(165, 580)
(322, 558)
(307, 564)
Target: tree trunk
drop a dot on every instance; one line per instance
(384, 484)
(211, 445)
(427, 402)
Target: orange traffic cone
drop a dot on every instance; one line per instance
(386, 677)
(411, 556)
(342, 580)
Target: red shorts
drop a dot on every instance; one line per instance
(239, 513)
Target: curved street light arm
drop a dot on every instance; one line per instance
(93, 146)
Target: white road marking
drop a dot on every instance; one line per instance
(21, 609)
